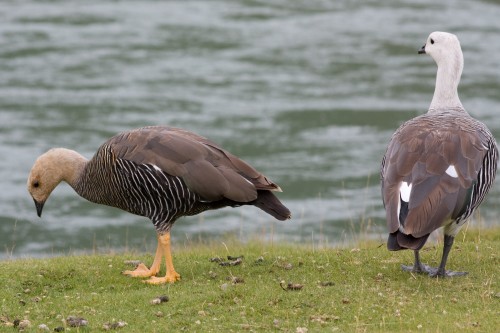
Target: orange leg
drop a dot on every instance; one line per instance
(142, 271)
(172, 275)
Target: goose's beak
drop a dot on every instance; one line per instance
(422, 50)
(39, 207)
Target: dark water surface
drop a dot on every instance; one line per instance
(308, 92)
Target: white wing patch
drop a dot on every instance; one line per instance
(452, 172)
(404, 191)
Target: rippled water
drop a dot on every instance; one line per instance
(308, 92)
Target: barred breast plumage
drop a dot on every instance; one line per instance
(162, 173)
(439, 166)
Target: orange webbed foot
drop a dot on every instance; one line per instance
(169, 278)
(141, 271)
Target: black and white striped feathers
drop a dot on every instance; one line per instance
(162, 173)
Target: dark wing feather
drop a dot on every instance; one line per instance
(419, 153)
(206, 168)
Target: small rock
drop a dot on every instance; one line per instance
(159, 300)
(212, 274)
(301, 330)
(224, 286)
(24, 324)
(345, 301)
(231, 263)
(73, 321)
(291, 286)
(159, 314)
(114, 325)
(326, 284)
(59, 329)
(215, 259)
(43, 327)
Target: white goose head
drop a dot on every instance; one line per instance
(445, 49)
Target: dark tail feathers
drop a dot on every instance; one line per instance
(269, 203)
(399, 241)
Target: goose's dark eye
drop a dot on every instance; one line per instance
(36, 184)
(432, 41)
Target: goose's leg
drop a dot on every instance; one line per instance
(418, 267)
(441, 271)
(171, 275)
(142, 270)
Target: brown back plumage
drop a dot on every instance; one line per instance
(207, 169)
(419, 153)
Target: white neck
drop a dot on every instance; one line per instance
(447, 79)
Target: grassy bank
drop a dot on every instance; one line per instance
(359, 289)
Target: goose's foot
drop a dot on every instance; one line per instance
(418, 268)
(437, 272)
(169, 278)
(141, 271)
(431, 271)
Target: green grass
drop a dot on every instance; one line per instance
(365, 291)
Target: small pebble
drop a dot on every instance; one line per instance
(73, 321)
(159, 300)
(326, 284)
(23, 324)
(114, 325)
(215, 259)
(231, 263)
(59, 329)
(291, 286)
(43, 327)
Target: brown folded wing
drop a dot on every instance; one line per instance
(419, 153)
(208, 170)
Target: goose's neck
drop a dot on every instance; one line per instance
(71, 165)
(447, 79)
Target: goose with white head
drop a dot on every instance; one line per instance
(439, 166)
